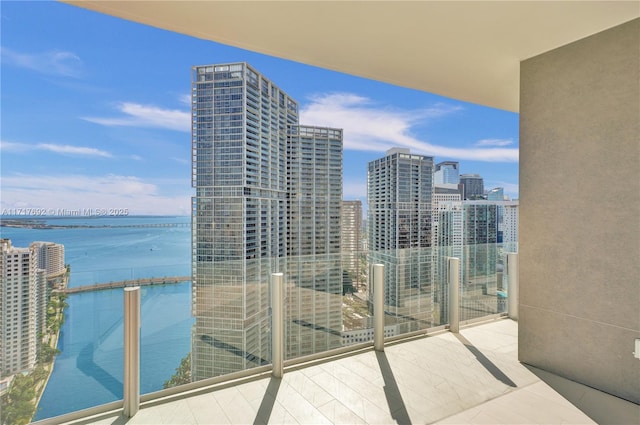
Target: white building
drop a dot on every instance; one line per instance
(50, 258)
(351, 236)
(510, 226)
(22, 288)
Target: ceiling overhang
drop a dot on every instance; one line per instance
(468, 50)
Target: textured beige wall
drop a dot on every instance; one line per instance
(580, 211)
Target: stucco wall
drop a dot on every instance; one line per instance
(580, 211)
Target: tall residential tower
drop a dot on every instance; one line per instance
(400, 190)
(352, 239)
(266, 189)
(22, 297)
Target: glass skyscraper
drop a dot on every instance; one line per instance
(246, 145)
(314, 265)
(473, 186)
(400, 190)
(447, 172)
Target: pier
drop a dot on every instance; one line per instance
(123, 283)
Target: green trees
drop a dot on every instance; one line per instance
(46, 353)
(18, 404)
(182, 375)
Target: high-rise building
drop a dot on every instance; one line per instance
(266, 189)
(468, 230)
(239, 143)
(473, 186)
(496, 194)
(22, 286)
(400, 190)
(352, 238)
(448, 226)
(447, 172)
(510, 226)
(313, 314)
(51, 258)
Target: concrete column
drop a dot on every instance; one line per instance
(453, 280)
(131, 390)
(378, 307)
(277, 325)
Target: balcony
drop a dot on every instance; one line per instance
(430, 375)
(584, 332)
(446, 378)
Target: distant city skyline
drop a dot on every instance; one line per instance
(97, 114)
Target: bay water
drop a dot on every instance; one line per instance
(89, 370)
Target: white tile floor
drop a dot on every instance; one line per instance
(470, 378)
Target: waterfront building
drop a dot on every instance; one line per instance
(352, 239)
(447, 172)
(22, 285)
(399, 191)
(472, 186)
(259, 199)
(51, 258)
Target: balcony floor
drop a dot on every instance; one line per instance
(470, 378)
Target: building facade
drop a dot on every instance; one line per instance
(313, 317)
(449, 236)
(51, 258)
(472, 186)
(447, 172)
(510, 226)
(250, 159)
(400, 190)
(22, 285)
(496, 194)
(352, 249)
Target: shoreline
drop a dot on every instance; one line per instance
(54, 338)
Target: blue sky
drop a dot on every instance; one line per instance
(95, 114)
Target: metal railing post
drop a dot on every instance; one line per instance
(512, 287)
(378, 307)
(277, 325)
(453, 280)
(131, 390)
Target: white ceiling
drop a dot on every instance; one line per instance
(468, 50)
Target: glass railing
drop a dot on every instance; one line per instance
(222, 325)
(88, 370)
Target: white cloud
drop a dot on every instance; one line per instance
(56, 148)
(185, 99)
(54, 192)
(180, 160)
(14, 147)
(136, 157)
(369, 127)
(53, 62)
(494, 142)
(138, 115)
(73, 150)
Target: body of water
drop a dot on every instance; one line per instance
(89, 370)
